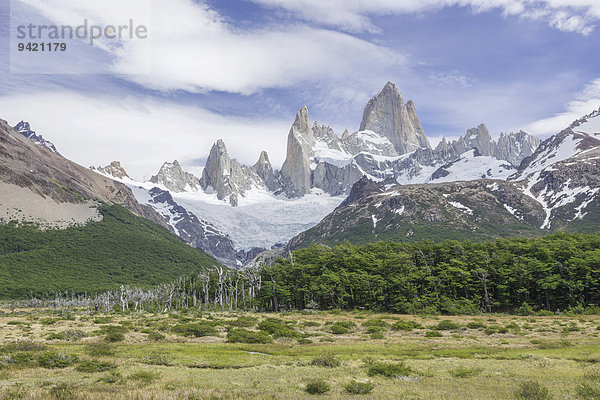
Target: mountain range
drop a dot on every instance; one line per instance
(384, 181)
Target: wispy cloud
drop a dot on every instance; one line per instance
(578, 16)
(141, 133)
(585, 102)
(195, 50)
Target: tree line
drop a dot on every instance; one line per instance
(555, 273)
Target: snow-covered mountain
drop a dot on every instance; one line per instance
(557, 187)
(257, 207)
(24, 129)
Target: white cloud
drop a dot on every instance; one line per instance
(141, 133)
(354, 15)
(586, 102)
(194, 50)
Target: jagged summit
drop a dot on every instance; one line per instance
(172, 176)
(114, 170)
(24, 129)
(387, 114)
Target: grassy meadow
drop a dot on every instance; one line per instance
(329, 355)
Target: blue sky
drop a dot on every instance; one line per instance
(240, 69)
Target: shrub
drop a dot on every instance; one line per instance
(388, 369)
(532, 390)
(355, 387)
(95, 366)
(406, 326)
(63, 391)
(376, 329)
(100, 349)
(587, 391)
(153, 336)
(157, 359)
(446, 325)
(465, 372)
(525, 309)
(23, 345)
(246, 336)
(114, 336)
(376, 322)
(196, 330)
(144, 377)
(328, 360)
(70, 335)
(278, 329)
(318, 386)
(476, 325)
(244, 322)
(55, 360)
(114, 377)
(433, 334)
(304, 341)
(377, 335)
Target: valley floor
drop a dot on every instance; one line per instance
(74, 355)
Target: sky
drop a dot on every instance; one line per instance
(240, 69)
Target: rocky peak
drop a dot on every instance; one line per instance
(387, 115)
(172, 176)
(227, 177)
(265, 171)
(114, 169)
(515, 147)
(296, 169)
(479, 138)
(24, 129)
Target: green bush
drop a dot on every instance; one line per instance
(377, 335)
(100, 349)
(525, 309)
(55, 360)
(95, 366)
(328, 360)
(342, 327)
(23, 345)
(376, 322)
(244, 322)
(278, 329)
(318, 386)
(246, 336)
(199, 329)
(114, 377)
(376, 329)
(389, 370)
(446, 325)
(157, 359)
(355, 387)
(476, 325)
(532, 390)
(153, 335)
(114, 336)
(406, 326)
(433, 334)
(462, 372)
(304, 341)
(70, 335)
(144, 377)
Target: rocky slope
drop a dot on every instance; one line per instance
(24, 129)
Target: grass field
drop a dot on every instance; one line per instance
(46, 355)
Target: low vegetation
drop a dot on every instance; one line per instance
(291, 355)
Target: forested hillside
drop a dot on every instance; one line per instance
(120, 249)
(557, 272)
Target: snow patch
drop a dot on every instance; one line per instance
(461, 207)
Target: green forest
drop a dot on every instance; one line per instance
(555, 273)
(100, 256)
